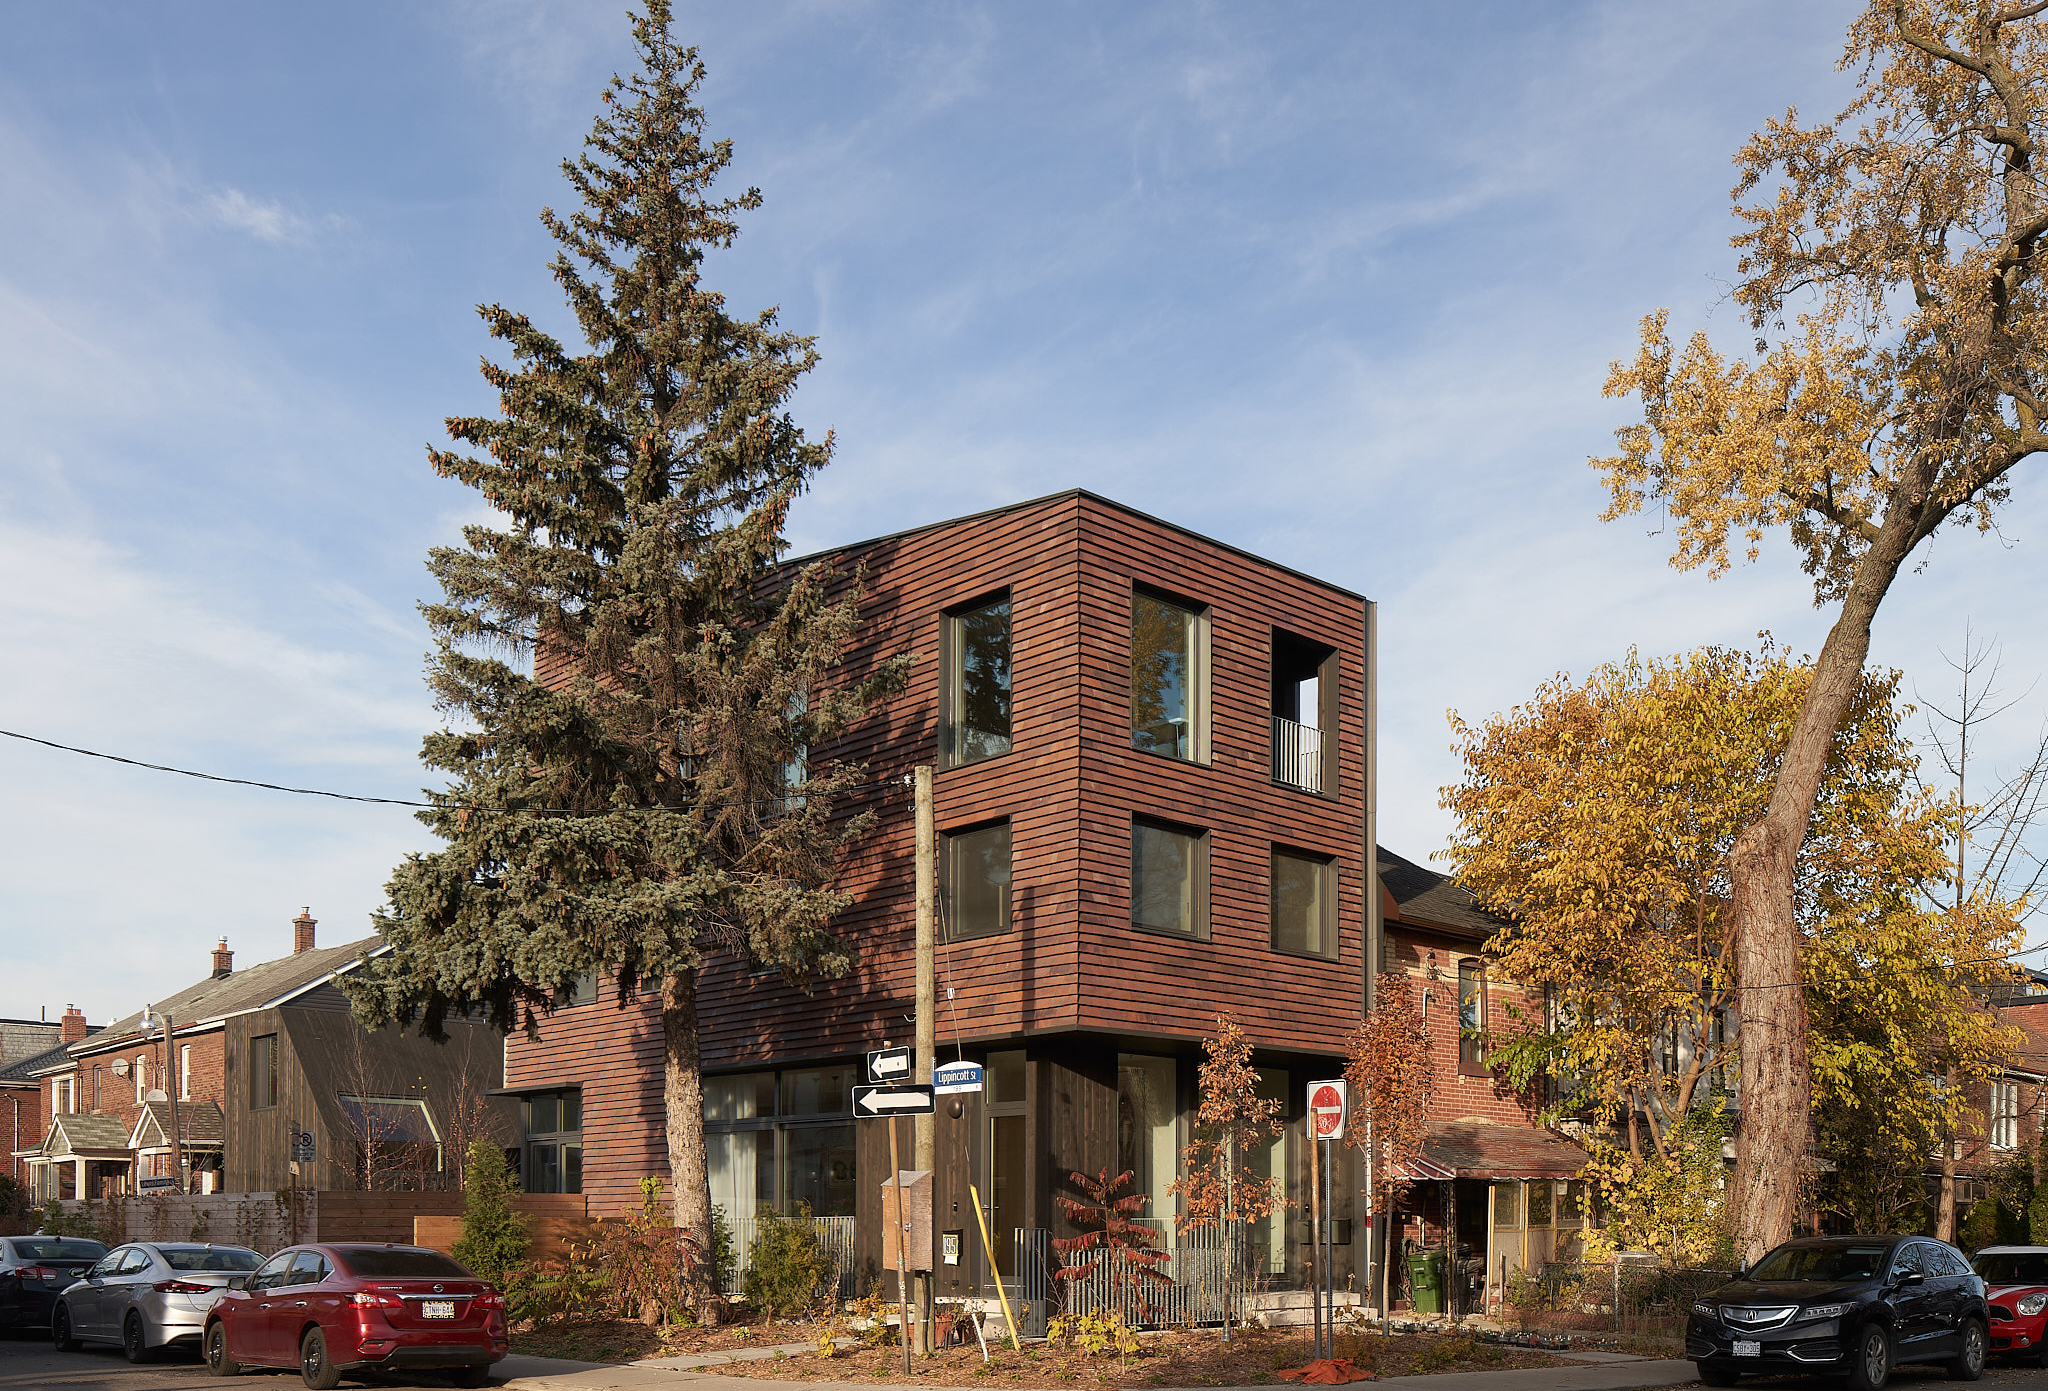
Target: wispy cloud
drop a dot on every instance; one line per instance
(263, 218)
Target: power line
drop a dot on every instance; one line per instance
(407, 802)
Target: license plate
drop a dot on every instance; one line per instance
(445, 1309)
(1743, 1347)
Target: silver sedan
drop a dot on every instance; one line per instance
(147, 1295)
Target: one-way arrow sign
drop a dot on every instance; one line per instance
(912, 1100)
(889, 1065)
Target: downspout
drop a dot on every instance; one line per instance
(1374, 926)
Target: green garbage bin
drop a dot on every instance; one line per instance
(1426, 1281)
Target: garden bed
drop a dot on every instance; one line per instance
(629, 1340)
(1176, 1357)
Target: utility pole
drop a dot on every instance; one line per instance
(925, 1147)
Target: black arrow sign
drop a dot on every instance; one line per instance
(912, 1100)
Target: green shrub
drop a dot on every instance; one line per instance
(493, 1237)
(787, 1266)
(723, 1253)
(1980, 1225)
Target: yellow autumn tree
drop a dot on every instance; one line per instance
(1602, 818)
(1890, 384)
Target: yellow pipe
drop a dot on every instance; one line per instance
(989, 1251)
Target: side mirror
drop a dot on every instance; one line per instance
(1911, 1277)
(238, 1282)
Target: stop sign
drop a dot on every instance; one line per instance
(1326, 1109)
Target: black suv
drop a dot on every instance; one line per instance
(1854, 1305)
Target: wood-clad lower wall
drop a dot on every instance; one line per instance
(1069, 786)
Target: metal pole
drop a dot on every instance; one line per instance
(177, 1127)
(902, 1242)
(988, 1251)
(1315, 1257)
(925, 1146)
(1329, 1261)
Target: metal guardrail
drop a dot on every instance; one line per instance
(835, 1235)
(1639, 1300)
(1297, 755)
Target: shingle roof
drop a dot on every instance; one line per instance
(75, 1133)
(1488, 1150)
(1423, 895)
(253, 988)
(27, 1069)
(201, 1121)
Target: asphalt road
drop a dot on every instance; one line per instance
(32, 1364)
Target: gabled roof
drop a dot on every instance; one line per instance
(85, 1135)
(27, 1070)
(260, 986)
(1425, 898)
(203, 1125)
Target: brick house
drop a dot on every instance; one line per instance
(26, 1045)
(1152, 789)
(254, 1057)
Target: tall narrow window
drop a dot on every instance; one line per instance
(1304, 904)
(554, 1142)
(2005, 1115)
(976, 866)
(797, 771)
(141, 1078)
(1169, 879)
(978, 681)
(262, 1072)
(185, 1072)
(1471, 1016)
(1148, 1137)
(1167, 698)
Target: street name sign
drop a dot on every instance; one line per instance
(911, 1100)
(889, 1065)
(1326, 1107)
(155, 1183)
(956, 1077)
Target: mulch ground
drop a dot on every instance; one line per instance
(1198, 1357)
(626, 1340)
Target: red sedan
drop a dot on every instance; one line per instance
(337, 1308)
(2016, 1287)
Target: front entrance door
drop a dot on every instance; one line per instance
(1007, 1158)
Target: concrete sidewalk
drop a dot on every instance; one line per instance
(1612, 1373)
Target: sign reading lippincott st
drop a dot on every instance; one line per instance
(1326, 1107)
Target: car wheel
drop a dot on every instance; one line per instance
(1870, 1358)
(320, 1374)
(471, 1375)
(1968, 1364)
(218, 1363)
(1713, 1375)
(135, 1340)
(60, 1330)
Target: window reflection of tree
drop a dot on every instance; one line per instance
(1162, 664)
(983, 641)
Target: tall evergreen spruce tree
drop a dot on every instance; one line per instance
(651, 804)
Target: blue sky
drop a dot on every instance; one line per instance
(1335, 283)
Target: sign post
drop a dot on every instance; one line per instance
(1327, 1108)
(902, 1243)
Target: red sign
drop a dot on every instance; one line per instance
(1326, 1106)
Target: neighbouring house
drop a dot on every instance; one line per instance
(2006, 1112)
(264, 1081)
(25, 1046)
(1151, 789)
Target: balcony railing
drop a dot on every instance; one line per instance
(1297, 755)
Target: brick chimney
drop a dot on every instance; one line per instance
(74, 1023)
(223, 961)
(302, 931)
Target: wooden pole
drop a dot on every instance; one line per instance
(989, 1253)
(902, 1243)
(925, 1148)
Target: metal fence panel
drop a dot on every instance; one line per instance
(1637, 1301)
(1206, 1278)
(835, 1235)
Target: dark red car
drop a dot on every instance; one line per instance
(337, 1308)
(2016, 1284)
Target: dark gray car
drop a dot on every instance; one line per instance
(34, 1270)
(147, 1295)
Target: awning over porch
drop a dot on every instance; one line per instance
(204, 1126)
(84, 1137)
(1478, 1149)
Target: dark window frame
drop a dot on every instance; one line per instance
(1329, 710)
(556, 1140)
(1328, 927)
(257, 1075)
(1199, 909)
(1471, 1053)
(952, 927)
(781, 1123)
(1200, 707)
(950, 697)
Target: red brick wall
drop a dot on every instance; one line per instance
(101, 1090)
(1457, 1097)
(24, 1111)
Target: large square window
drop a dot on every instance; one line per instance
(738, 1098)
(1169, 879)
(817, 1170)
(976, 865)
(742, 1173)
(978, 682)
(821, 1091)
(1304, 904)
(1167, 677)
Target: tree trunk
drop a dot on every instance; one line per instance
(1945, 1212)
(689, 1176)
(1774, 1145)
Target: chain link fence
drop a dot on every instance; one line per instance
(1640, 1303)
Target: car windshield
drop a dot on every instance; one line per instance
(401, 1263)
(220, 1258)
(58, 1249)
(1821, 1263)
(2013, 1267)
